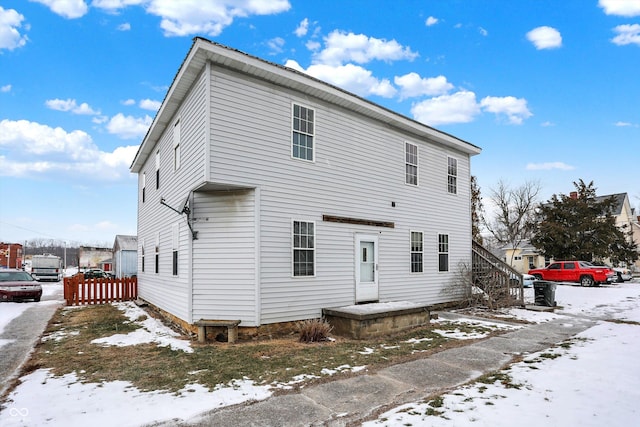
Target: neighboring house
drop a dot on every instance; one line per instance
(92, 257)
(265, 195)
(11, 255)
(524, 258)
(125, 256)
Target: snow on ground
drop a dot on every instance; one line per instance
(592, 382)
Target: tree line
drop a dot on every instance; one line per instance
(579, 226)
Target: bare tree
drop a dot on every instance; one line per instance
(515, 213)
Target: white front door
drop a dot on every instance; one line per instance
(366, 267)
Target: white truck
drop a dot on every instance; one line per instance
(46, 267)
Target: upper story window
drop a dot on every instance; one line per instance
(303, 248)
(303, 133)
(452, 175)
(416, 251)
(176, 146)
(144, 185)
(411, 163)
(157, 169)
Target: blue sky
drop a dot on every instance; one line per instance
(550, 90)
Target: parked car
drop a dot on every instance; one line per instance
(96, 273)
(527, 280)
(18, 285)
(575, 271)
(622, 274)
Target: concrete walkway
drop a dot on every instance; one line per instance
(353, 400)
(24, 333)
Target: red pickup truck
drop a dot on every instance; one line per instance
(575, 271)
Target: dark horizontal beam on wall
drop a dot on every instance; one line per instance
(358, 221)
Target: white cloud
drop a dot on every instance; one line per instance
(549, 166)
(627, 8)
(71, 106)
(349, 77)
(412, 85)
(483, 31)
(128, 102)
(431, 21)
(124, 27)
(625, 124)
(150, 104)
(547, 124)
(460, 107)
(545, 38)
(302, 29)
(514, 108)
(627, 34)
(341, 47)
(5, 88)
(276, 44)
(188, 17)
(69, 9)
(30, 149)
(10, 23)
(128, 127)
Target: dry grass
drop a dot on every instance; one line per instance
(149, 367)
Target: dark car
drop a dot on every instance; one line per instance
(18, 285)
(96, 273)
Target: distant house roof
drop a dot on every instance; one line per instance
(125, 243)
(617, 208)
(203, 51)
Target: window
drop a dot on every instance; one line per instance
(176, 146)
(175, 237)
(411, 163)
(416, 252)
(443, 252)
(452, 175)
(144, 185)
(157, 255)
(157, 169)
(142, 255)
(569, 265)
(303, 124)
(303, 248)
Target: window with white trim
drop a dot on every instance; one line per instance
(157, 254)
(176, 145)
(443, 252)
(142, 254)
(157, 169)
(417, 252)
(175, 238)
(303, 247)
(144, 186)
(411, 163)
(302, 144)
(452, 175)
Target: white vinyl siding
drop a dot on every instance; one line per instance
(224, 257)
(357, 180)
(164, 290)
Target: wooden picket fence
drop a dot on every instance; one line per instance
(81, 291)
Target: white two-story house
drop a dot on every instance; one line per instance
(266, 195)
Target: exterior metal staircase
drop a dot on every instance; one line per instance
(500, 283)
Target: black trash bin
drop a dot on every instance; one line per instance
(545, 293)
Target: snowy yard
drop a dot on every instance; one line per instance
(591, 381)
